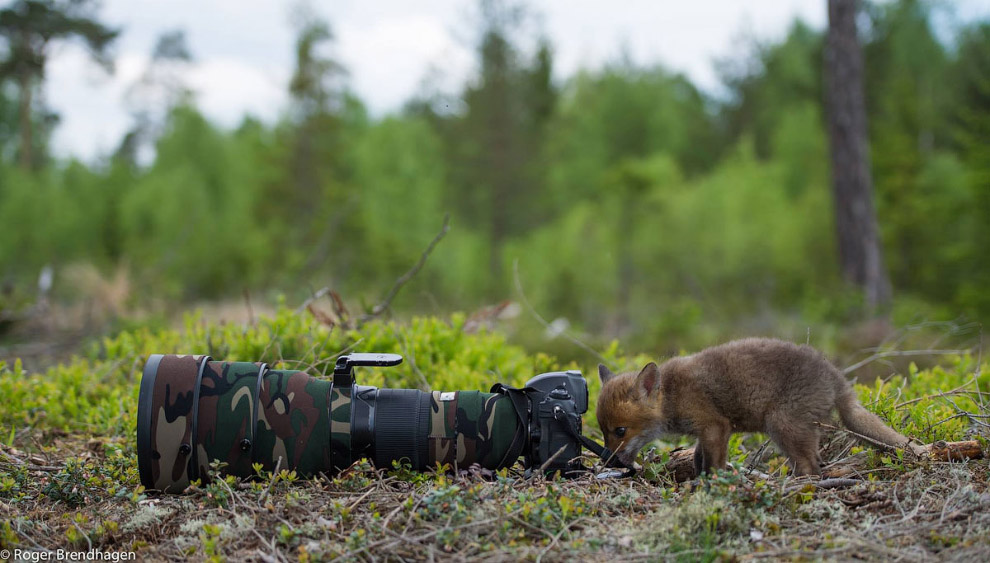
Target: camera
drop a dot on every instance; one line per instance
(194, 411)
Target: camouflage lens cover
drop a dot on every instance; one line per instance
(294, 422)
(165, 420)
(192, 411)
(225, 421)
(340, 426)
(469, 427)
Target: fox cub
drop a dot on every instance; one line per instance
(750, 385)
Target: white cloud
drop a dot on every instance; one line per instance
(388, 59)
(226, 89)
(94, 116)
(89, 102)
(682, 36)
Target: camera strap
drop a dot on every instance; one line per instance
(520, 404)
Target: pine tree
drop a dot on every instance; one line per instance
(30, 28)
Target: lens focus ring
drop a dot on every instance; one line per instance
(402, 427)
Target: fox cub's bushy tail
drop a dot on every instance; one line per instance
(861, 421)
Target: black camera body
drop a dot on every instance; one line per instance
(559, 399)
(549, 409)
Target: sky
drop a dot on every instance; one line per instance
(243, 50)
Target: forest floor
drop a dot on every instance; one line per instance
(73, 499)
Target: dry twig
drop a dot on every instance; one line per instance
(900, 353)
(271, 482)
(404, 278)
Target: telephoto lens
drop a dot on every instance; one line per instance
(193, 411)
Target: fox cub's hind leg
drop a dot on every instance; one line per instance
(712, 448)
(799, 442)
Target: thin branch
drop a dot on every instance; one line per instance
(543, 321)
(976, 374)
(551, 459)
(957, 391)
(271, 482)
(314, 297)
(250, 310)
(898, 353)
(404, 279)
(892, 448)
(424, 384)
(31, 467)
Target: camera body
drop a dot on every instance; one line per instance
(555, 402)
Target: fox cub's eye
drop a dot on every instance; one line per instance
(620, 431)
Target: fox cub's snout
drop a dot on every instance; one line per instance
(628, 404)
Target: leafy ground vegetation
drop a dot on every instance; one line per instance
(69, 479)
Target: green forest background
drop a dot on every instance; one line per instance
(631, 204)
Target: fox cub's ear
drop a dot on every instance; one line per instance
(604, 374)
(648, 380)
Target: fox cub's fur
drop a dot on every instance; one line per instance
(750, 385)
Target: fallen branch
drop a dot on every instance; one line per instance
(954, 451)
(341, 316)
(802, 484)
(314, 297)
(543, 468)
(31, 467)
(681, 465)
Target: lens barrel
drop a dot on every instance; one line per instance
(402, 428)
(194, 411)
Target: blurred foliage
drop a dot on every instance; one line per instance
(635, 205)
(95, 393)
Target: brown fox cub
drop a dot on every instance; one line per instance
(750, 385)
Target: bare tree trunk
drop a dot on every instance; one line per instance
(855, 219)
(24, 110)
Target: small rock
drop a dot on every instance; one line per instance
(325, 523)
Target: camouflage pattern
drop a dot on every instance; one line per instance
(225, 421)
(340, 427)
(469, 427)
(171, 421)
(294, 422)
(248, 414)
